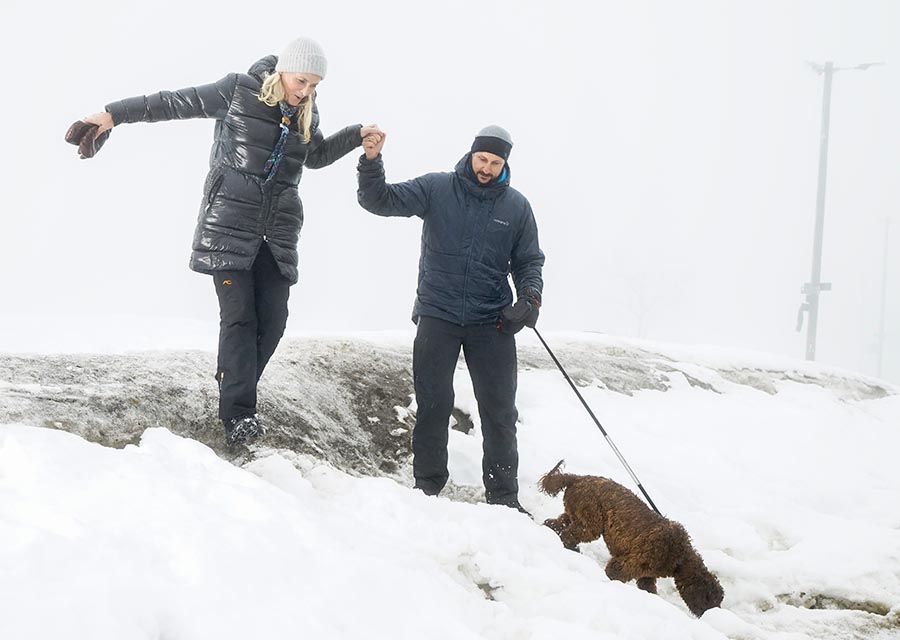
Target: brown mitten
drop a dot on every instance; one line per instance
(77, 130)
(84, 134)
(90, 143)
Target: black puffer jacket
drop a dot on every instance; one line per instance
(473, 237)
(238, 211)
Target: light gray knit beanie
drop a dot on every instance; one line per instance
(494, 139)
(303, 55)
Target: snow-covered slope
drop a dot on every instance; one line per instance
(783, 472)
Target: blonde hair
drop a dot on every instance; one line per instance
(272, 92)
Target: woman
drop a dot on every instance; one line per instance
(267, 130)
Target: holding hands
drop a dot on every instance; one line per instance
(373, 140)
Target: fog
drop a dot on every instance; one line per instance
(669, 151)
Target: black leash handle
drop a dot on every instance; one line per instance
(597, 422)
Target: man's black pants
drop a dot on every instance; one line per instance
(491, 359)
(253, 313)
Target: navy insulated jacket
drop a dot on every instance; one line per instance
(238, 211)
(473, 237)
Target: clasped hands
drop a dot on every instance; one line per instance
(373, 140)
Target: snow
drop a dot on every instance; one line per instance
(790, 497)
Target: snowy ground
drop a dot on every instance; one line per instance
(788, 487)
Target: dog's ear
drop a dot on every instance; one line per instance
(549, 482)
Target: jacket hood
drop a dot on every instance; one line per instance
(263, 67)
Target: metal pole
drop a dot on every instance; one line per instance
(597, 422)
(814, 286)
(884, 272)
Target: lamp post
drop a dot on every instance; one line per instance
(815, 285)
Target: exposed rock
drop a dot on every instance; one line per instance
(824, 601)
(347, 401)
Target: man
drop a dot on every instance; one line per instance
(477, 230)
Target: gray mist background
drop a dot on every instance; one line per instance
(669, 150)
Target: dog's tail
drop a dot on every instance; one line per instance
(555, 480)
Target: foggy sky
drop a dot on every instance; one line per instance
(669, 151)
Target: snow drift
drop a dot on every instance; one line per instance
(131, 527)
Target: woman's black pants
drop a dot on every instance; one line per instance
(253, 311)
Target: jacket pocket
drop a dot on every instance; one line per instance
(212, 184)
(497, 244)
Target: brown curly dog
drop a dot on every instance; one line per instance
(644, 545)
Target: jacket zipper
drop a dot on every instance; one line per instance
(266, 206)
(466, 287)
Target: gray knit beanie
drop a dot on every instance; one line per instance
(303, 55)
(494, 139)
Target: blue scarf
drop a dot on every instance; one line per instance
(271, 168)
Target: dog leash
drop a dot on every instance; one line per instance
(597, 422)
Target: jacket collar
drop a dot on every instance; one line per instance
(467, 178)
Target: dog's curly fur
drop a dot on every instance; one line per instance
(643, 544)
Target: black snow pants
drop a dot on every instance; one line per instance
(253, 313)
(491, 360)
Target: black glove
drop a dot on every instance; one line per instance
(524, 313)
(84, 134)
